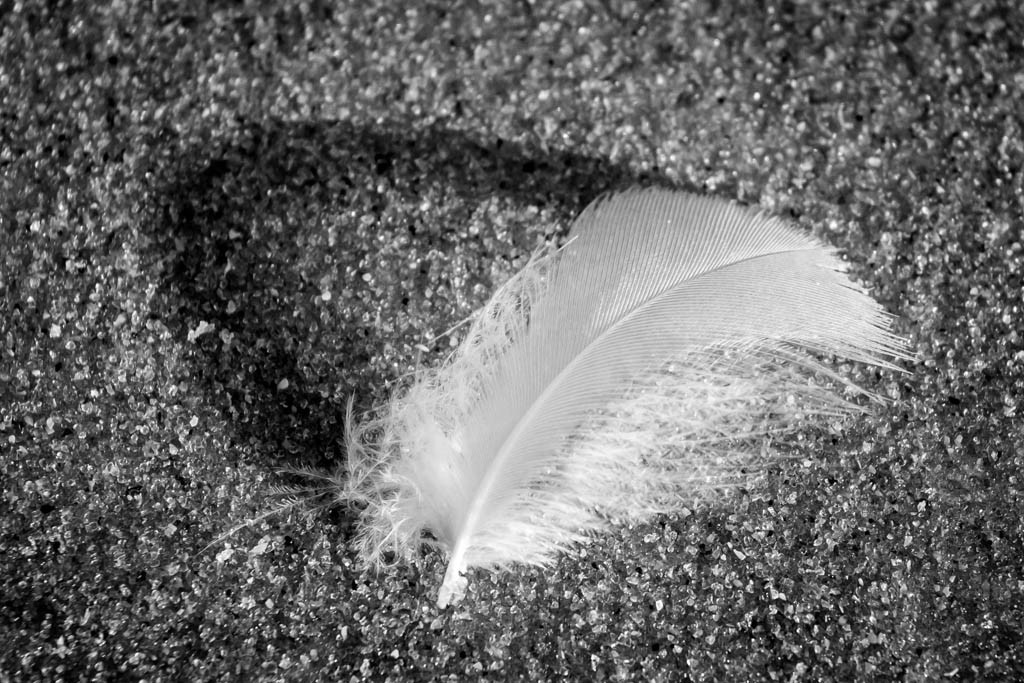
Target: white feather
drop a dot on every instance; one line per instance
(622, 377)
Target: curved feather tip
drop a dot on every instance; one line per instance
(639, 368)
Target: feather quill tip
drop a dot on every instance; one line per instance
(636, 369)
(453, 588)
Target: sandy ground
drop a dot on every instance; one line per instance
(221, 220)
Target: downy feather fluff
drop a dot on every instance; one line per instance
(634, 370)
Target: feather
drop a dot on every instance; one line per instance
(631, 372)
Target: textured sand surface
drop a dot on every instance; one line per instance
(220, 220)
